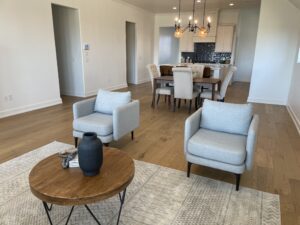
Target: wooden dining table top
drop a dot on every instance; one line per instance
(195, 79)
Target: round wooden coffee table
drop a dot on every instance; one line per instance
(52, 184)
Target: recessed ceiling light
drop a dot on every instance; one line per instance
(198, 1)
(174, 8)
(231, 4)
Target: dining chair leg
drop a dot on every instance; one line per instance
(174, 105)
(165, 98)
(158, 97)
(169, 100)
(179, 103)
(196, 103)
(190, 106)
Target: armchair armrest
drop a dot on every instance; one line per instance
(126, 119)
(83, 108)
(251, 141)
(192, 125)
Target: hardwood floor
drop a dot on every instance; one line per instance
(159, 140)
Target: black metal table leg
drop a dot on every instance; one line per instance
(122, 200)
(48, 209)
(47, 212)
(92, 214)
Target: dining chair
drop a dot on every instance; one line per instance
(183, 87)
(219, 95)
(162, 90)
(197, 70)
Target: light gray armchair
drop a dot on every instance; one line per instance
(221, 136)
(111, 115)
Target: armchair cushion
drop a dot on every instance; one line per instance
(226, 117)
(102, 124)
(218, 146)
(107, 101)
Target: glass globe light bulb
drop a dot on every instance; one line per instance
(178, 33)
(202, 32)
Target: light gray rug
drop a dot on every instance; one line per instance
(157, 196)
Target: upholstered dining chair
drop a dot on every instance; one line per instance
(162, 90)
(183, 87)
(221, 136)
(111, 115)
(197, 70)
(219, 95)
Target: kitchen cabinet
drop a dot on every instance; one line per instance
(186, 43)
(224, 39)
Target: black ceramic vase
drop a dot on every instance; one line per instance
(90, 154)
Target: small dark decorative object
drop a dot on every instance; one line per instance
(67, 156)
(90, 154)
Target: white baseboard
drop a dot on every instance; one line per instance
(27, 108)
(294, 117)
(266, 101)
(112, 88)
(143, 81)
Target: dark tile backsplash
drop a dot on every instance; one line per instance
(205, 53)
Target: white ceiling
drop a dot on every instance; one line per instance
(165, 6)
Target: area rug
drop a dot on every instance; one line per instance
(157, 196)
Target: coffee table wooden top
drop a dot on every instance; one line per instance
(52, 184)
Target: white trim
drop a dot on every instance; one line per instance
(74, 94)
(294, 117)
(27, 108)
(266, 101)
(112, 88)
(143, 81)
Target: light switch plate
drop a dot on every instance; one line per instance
(86, 46)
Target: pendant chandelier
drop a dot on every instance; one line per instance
(193, 23)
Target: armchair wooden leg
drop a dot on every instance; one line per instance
(132, 135)
(238, 179)
(196, 103)
(76, 141)
(165, 98)
(190, 107)
(189, 169)
(179, 103)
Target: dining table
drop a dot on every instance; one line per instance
(196, 80)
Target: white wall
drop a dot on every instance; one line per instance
(275, 52)
(246, 41)
(68, 51)
(28, 69)
(294, 96)
(168, 46)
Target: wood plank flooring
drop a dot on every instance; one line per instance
(159, 140)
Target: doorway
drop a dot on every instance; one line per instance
(131, 53)
(68, 50)
(168, 46)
